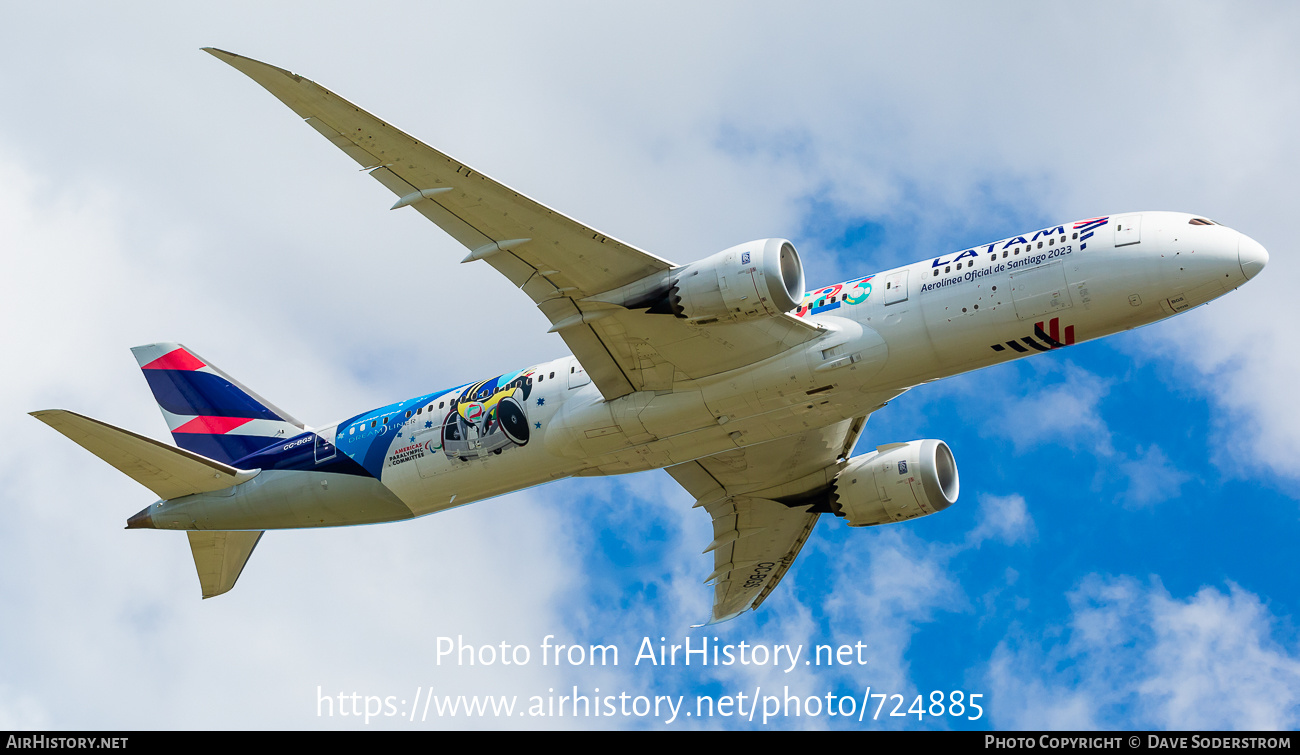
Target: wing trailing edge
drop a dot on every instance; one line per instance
(762, 516)
(558, 262)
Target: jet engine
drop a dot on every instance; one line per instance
(761, 278)
(896, 482)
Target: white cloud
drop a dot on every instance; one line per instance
(1152, 478)
(1003, 518)
(1064, 413)
(1026, 701)
(1234, 353)
(21, 712)
(1134, 656)
(893, 584)
(1035, 404)
(1216, 664)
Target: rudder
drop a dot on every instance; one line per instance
(220, 556)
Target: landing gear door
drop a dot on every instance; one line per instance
(1128, 230)
(896, 287)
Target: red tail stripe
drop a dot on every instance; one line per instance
(180, 359)
(1055, 332)
(1069, 335)
(212, 425)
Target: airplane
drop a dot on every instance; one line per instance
(749, 390)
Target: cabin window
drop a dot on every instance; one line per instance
(1076, 235)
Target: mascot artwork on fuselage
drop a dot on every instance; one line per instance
(488, 417)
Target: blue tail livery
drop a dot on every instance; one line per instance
(208, 411)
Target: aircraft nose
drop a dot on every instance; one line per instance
(1252, 255)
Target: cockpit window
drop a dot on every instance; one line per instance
(1201, 221)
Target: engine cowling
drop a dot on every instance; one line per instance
(896, 482)
(758, 279)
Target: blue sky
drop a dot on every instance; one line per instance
(1120, 556)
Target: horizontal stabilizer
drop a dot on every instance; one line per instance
(168, 471)
(220, 558)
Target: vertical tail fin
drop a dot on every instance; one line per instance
(208, 411)
(220, 558)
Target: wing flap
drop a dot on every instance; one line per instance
(168, 471)
(641, 342)
(756, 537)
(765, 537)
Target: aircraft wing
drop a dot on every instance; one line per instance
(556, 260)
(759, 498)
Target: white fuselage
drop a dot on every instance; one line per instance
(883, 334)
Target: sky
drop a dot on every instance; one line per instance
(1122, 555)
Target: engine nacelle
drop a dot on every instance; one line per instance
(895, 483)
(759, 279)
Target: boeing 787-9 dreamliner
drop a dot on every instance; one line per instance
(748, 390)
